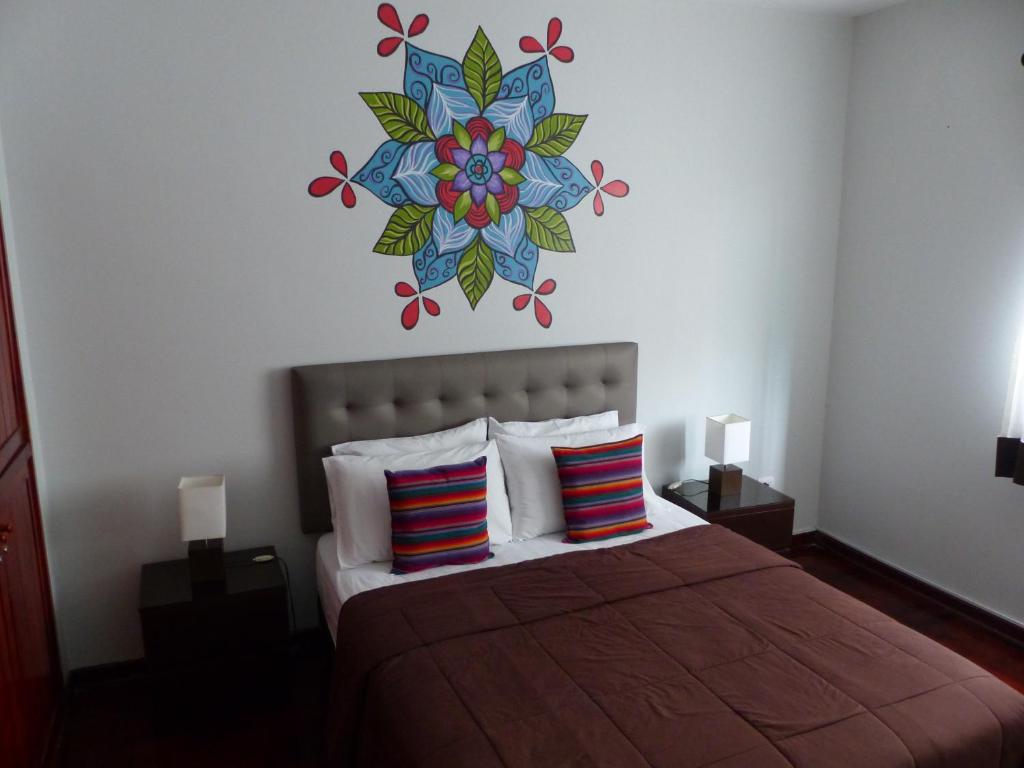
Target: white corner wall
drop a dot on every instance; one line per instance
(930, 297)
(173, 267)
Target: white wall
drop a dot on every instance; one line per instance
(173, 267)
(930, 297)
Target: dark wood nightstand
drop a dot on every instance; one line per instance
(212, 648)
(758, 511)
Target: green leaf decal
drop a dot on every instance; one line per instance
(511, 176)
(555, 134)
(497, 139)
(402, 118)
(461, 135)
(462, 204)
(492, 208)
(407, 231)
(482, 70)
(476, 271)
(446, 171)
(549, 229)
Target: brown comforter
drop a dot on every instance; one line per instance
(696, 648)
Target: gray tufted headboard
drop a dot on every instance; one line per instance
(337, 402)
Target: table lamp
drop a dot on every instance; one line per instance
(726, 441)
(202, 510)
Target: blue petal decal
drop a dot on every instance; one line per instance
(376, 174)
(574, 184)
(423, 69)
(414, 173)
(532, 80)
(433, 269)
(447, 104)
(521, 267)
(514, 116)
(450, 235)
(540, 184)
(504, 236)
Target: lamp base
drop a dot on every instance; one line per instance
(725, 480)
(206, 565)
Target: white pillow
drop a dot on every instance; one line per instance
(468, 434)
(361, 511)
(534, 490)
(606, 420)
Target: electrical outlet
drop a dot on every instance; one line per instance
(769, 481)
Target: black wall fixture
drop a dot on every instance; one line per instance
(1010, 458)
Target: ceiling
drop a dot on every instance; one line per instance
(838, 7)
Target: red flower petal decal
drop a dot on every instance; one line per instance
(478, 217)
(443, 148)
(404, 290)
(348, 196)
(447, 195)
(411, 314)
(563, 53)
(507, 198)
(324, 185)
(389, 17)
(542, 313)
(529, 44)
(515, 155)
(617, 188)
(479, 128)
(388, 45)
(547, 287)
(411, 311)
(339, 163)
(540, 309)
(419, 24)
(554, 31)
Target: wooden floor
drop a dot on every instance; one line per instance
(111, 723)
(998, 655)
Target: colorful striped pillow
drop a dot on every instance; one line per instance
(602, 489)
(439, 516)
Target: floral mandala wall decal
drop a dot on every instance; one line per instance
(474, 166)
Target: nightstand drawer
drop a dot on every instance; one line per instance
(252, 622)
(772, 529)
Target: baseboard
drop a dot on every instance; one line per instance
(991, 621)
(803, 541)
(301, 642)
(102, 674)
(51, 757)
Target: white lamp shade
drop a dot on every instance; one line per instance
(727, 438)
(202, 506)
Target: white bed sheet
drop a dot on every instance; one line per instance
(336, 584)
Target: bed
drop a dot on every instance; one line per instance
(336, 585)
(685, 646)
